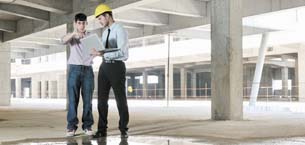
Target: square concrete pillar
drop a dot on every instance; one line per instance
(69, 29)
(301, 73)
(44, 87)
(169, 69)
(5, 74)
(169, 82)
(226, 57)
(145, 84)
(194, 84)
(285, 81)
(183, 80)
(52, 89)
(35, 87)
(18, 88)
(61, 85)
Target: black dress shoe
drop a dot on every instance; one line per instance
(100, 135)
(124, 141)
(124, 134)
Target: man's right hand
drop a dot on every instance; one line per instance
(95, 53)
(78, 35)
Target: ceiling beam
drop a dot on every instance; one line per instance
(19, 45)
(58, 19)
(26, 27)
(276, 63)
(248, 30)
(174, 22)
(190, 8)
(22, 50)
(123, 5)
(132, 26)
(8, 26)
(25, 12)
(142, 17)
(261, 6)
(16, 55)
(206, 33)
(93, 25)
(55, 6)
(116, 5)
(191, 33)
(41, 41)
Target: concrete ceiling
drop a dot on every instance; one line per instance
(6, 16)
(41, 22)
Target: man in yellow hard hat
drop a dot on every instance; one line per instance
(112, 71)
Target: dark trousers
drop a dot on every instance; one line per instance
(80, 80)
(112, 74)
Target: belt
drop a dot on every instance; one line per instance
(112, 61)
(80, 66)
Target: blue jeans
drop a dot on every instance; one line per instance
(80, 79)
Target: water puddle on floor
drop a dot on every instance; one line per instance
(154, 140)
(114, 140)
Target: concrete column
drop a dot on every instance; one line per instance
(133, 81)
(161, 84)
(258, 70)
(52, 89)
(194, 84)
(169, 82)
(183, 81)
(296, 78)
(18, 88)
(35, 87)
(285, 81)
(5, 74)
(169, 70)
(70, 28)
(144, 88)
(44, 89)
(226, 60)
(301, 73)
(61, 85)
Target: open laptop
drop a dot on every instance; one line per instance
(93, 41)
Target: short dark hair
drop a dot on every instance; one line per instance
(80, 17)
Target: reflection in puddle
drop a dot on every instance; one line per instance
(85, 140)
(149, 140)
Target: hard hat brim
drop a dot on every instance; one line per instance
(102, 14)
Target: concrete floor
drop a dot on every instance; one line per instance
(149, 140)
(151, 122)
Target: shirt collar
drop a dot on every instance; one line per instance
(112, 26)
(87, 33)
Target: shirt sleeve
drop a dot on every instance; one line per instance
(122, 44)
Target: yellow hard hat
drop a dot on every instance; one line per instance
(102, 8)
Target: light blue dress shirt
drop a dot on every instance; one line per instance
(118, 38)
